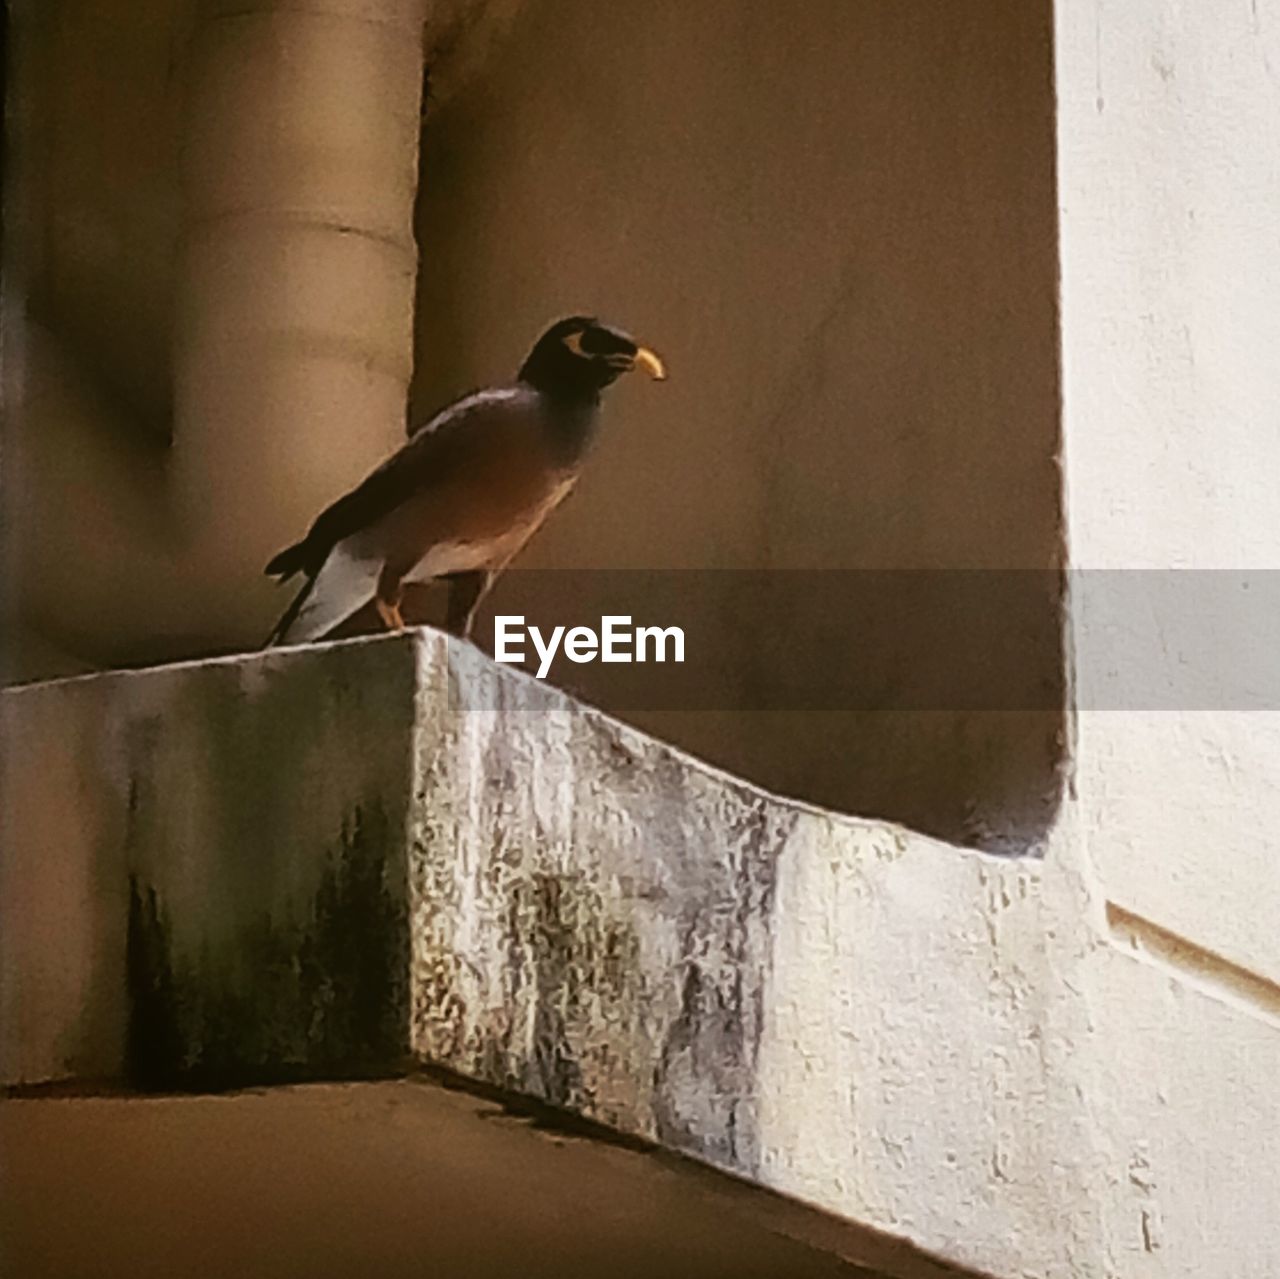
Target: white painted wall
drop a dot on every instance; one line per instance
(1169, 176)
(1170, 193)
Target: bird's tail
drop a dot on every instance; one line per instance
(290, 615)
(293, 559)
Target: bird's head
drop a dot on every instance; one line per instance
(579, 356)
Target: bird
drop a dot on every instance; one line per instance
(463, 496)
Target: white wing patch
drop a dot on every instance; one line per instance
(344, 585)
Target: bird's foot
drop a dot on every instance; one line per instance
(390, 614)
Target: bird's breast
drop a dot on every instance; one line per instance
(492, 535)
(490, 489)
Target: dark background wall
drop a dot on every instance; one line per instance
(837, 222)
(836, 219)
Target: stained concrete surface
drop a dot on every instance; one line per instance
(550, 903)
(381, 1180)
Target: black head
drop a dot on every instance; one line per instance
(578, 357)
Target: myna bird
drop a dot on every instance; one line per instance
(464, 495)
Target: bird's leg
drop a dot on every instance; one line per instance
(390, 614)
(466, 590)
(387, 599)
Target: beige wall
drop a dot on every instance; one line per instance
(1171, 180)
(836, 220)
(839, 229)
(101, 170)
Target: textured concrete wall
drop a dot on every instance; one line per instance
(595, 919)
(606, 924)
(209, 863)
(1169, 182)
(344, 859)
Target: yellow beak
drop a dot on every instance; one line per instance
(651, 363)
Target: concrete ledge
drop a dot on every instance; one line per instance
(211, 864)
(341, 860)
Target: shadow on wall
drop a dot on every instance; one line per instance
(840, 231)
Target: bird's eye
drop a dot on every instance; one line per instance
(574, 342)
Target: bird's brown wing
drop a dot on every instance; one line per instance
(434, 456)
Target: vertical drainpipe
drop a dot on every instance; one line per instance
(293, 339)
(294, 330)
